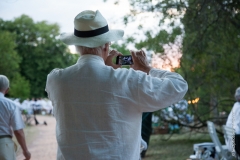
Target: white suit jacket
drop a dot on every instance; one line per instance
(233, 121)
(98, 109)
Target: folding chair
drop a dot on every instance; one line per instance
(222, 150)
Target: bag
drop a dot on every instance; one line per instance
(237, 143)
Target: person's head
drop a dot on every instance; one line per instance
(100, 51)
(4, 84)
(91, 34)
(237, 94)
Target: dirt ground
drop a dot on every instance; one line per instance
(40, 139)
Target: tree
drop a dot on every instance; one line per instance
(210, 49)
(9, 66)
(210, 59)
(40, 49)
(9, 59)
(19, 87)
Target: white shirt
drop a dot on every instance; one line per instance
(26, 104)
(233, 118)
(17, 102)
(38, 104)
(98, 109)
(32, 104)
(10, 116)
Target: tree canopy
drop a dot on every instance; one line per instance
(9, 65)
(34, 51)
(210, 48)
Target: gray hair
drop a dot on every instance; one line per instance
(4, 83)
(86, 50)
(237, 94)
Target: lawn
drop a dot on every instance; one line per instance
(178, 147)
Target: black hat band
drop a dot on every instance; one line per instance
(92, 33)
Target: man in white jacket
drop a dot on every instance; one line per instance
(97, 104)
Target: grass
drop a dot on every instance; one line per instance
(178, 147)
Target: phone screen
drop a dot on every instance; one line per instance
(124, 60)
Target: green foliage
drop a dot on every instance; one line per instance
(211, 54)
(19, 87)
(156, 42)
(9, 66)
(40, 49)
(9, 59)
(121, 48)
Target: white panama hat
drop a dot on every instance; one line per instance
(91, 30)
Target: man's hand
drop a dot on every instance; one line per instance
(110, 57)
(19, 134)
(27, 155)
(140, 61)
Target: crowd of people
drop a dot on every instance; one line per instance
(31, 108)
(35, 106)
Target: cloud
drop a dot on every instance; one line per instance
(59, 11)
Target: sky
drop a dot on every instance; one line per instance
(63, 13)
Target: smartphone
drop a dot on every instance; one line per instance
(124, 60)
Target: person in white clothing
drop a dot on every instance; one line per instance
(233, 120)
(49, 106)
(27, 106)
(45, 106)
(10, 122)
(97, 104)
(17, 102)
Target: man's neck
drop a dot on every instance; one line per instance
(91, 54)
(3, 92)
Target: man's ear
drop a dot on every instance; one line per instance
(105, 47)
(6, 91)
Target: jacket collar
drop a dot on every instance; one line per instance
(90, 58)
(1, 95)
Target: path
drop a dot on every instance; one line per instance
(43, 146)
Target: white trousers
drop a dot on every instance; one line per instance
(7, 151)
